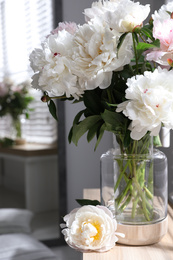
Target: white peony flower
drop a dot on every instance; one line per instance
(53, 67)
(149, 102)
(127, 16)
(90, 228)
(163, 13)
(95, 54)
(37, 59)
(121, 15)
(99, 8)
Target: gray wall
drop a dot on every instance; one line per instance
(82, 162)
(169, 153)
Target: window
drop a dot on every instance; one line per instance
(23, 25)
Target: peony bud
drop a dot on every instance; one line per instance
(151, 21)
(170, 62)
(137, 28)
(45, 98)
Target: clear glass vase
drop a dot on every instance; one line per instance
(134, 182)
(17, 130)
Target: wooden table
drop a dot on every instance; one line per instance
(160, 251)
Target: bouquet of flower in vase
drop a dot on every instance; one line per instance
(121, 69)
(14, 101)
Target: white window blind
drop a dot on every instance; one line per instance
(2, 45)
(23, 25)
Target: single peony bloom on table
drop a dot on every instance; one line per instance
(149, 102)
(90, 228)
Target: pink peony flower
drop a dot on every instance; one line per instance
(70, 27)
(164, 32)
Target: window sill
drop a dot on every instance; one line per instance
(30, 149)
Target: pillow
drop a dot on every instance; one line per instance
(15, 221)
(23, 247)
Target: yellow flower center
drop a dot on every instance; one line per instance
(91, 230)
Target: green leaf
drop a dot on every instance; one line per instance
(84, 202)
(52, 109)
(127, 139)
(78, 116)
(113, 118)
(169, 13)
(93, 101)
(81, 128)
(121, 39)
(100, 134)
(145, 46)
(27, 115)
(142, 46)
(127, 72)
(93, 130)
(70, 135)
(147, 32)
(75, 121)
(134, 34)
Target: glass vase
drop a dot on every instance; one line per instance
(17, 130)
(134, 187)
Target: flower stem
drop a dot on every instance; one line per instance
(124, 192)
(17, 126)
(133, 192)
(110, 97)
(58, 97)
(134, 206)
(125, 204)
(148, 193)
(135, 52)
(120, 176)
(142, 195)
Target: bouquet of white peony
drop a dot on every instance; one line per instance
(121, 69)
(110, 63)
